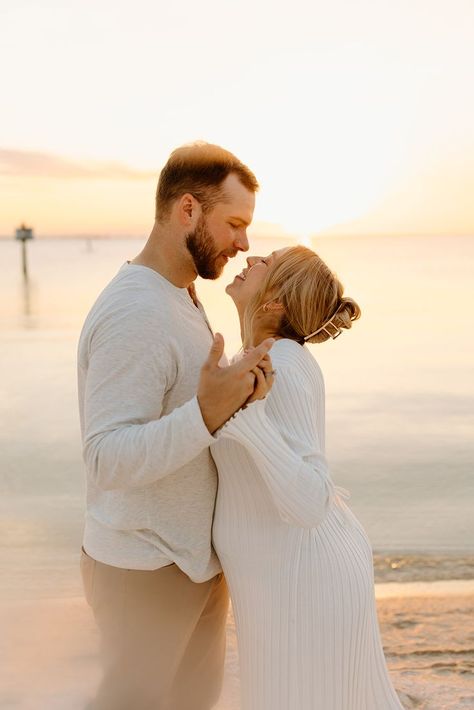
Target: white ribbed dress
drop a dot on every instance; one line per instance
(297, 561)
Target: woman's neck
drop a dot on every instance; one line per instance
(260, 331)
(259, 335)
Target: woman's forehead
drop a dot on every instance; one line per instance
(277, 253)
(270, 257)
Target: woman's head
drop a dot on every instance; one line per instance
(291, 294)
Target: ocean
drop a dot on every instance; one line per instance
(400, 421)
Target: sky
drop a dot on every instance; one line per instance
(356, 116)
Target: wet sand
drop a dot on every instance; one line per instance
(49, 658)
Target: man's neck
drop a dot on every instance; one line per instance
(162, 254)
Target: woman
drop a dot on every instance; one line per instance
(297, 561)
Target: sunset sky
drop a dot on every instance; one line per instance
(357, 117)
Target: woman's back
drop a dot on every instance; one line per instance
(297, 561)
(288, 427)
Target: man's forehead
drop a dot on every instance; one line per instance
(237, 196)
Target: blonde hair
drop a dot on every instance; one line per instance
(310, 294)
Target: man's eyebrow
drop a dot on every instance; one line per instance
(239, 219)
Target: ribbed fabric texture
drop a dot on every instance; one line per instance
(297, 561)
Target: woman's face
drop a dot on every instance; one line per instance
(247, 283)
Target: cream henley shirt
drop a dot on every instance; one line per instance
(151, 480)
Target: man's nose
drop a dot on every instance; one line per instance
(242, 242)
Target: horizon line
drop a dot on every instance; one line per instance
(256, 235)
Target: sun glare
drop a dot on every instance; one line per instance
(337, 112)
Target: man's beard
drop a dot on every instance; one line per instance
(201, 246)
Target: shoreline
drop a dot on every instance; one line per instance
(441, 588)
(54, 643)
(437, 588)
(383, 590)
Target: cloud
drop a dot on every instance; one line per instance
(22, 163)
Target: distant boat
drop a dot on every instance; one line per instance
(23, 233)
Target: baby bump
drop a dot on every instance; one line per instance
(343, 551)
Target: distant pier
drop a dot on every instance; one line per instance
(24, 234)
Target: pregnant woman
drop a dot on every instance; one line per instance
(297, 561)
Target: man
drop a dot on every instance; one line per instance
(151, 397)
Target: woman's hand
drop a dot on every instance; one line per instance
(222, 391)
(264, 378)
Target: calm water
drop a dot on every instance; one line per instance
(400, 392)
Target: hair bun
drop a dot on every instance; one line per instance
(347, 312)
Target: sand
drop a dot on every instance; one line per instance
(49, 658)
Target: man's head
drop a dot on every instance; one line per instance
(208, 194)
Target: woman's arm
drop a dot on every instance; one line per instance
(280, 434)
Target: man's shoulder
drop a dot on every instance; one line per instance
(130, 305)
(133, 291)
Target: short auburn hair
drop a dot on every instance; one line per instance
(200, 169)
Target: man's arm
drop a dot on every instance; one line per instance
(127, 441)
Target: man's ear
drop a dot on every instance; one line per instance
(188, 210)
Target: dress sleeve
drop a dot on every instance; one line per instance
(127, 442)
(281, 436)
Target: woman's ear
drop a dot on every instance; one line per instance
(274, 306)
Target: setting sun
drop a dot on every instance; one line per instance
(236, 446)
(347, 113)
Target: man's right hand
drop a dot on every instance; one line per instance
(222, 391)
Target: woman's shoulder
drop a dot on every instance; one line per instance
(290, 352)
(294, 360)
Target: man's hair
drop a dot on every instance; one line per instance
(200, 169)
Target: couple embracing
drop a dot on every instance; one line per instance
(206, 477)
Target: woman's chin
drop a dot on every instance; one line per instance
(233, 291)
(229, 289)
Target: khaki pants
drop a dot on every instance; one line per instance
(163, 637)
